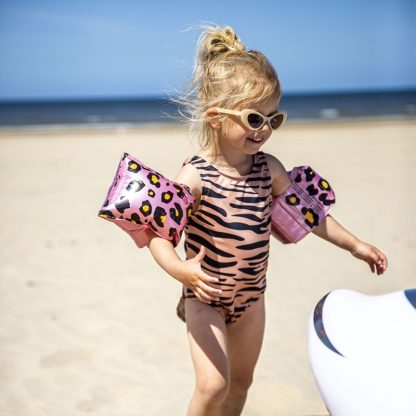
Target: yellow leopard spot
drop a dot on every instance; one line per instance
(163, 218)
(309, 217)
(292, 199)
(176, 213)
(167, 197)
(103, 216)
(134, 166)
(154, 178)
(324, 184)
(146, 208)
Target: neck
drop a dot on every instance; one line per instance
(229, 159)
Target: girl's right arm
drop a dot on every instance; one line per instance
(188, 272)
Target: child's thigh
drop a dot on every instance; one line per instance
(245, 338)
(207, 337)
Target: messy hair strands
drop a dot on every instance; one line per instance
(224, 75)
(213, 42)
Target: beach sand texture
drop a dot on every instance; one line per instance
(87, 321)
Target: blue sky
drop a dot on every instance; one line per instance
(71, 49)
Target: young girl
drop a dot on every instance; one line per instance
(235, 98)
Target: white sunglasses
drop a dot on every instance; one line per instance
(254, 120)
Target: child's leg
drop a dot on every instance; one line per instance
(208, 344)
(244, 344)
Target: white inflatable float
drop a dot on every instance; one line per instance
(362, 350)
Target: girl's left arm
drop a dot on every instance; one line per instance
(329, 229)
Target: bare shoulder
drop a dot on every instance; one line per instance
(280, 178)
(189, 176)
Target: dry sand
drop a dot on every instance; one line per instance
(87, 321)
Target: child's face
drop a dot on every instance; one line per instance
(235, 136)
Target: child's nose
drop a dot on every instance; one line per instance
(266, 127)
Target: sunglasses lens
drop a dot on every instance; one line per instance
(276, 121)
(255, 120)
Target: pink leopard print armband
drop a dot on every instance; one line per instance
(141, 201)
(302, 206)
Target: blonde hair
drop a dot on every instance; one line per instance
(225, 75)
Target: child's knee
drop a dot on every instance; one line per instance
(214, 392)
(241, 383)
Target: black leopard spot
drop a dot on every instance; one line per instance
(124, 156)
(146, 208)
(179, 191)
(135, 219)
(151, 193)
(311, 218)
(154, 179)
(172, 231)
(309, 174)
(167, 197)
(159, 216)
(324, 185)
(122, 204)
(324, 198)
(312, 191)
(176, 213)
(292, 199)
(133, 167)
(135, 186)
(298, 178)
(106, 203)
(106, 214)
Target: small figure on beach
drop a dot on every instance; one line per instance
(229, 198)
(234, 101)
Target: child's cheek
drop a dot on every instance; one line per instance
(236, 127)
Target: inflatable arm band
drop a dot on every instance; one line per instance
(302, 206)
(141, 200)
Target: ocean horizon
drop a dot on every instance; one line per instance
(159, 110)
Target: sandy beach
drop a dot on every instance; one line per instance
(87, 321)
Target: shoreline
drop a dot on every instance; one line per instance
(99, 128)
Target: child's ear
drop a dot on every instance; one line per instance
(210, 115)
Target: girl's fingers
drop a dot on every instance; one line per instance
(209, 279)
(371, 264)
(199, 257)
(202, 296)
(381, 263)
(210, 291)
(205, 278)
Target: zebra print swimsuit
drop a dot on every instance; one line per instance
(233, 222)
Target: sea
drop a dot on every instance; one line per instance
(158, 110)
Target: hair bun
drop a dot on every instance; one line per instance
(216, 41)
(225, 40)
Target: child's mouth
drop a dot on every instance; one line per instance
(253, 140)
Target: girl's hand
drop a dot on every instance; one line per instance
(371, 255)
(194, 278)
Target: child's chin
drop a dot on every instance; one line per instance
(252, 151)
